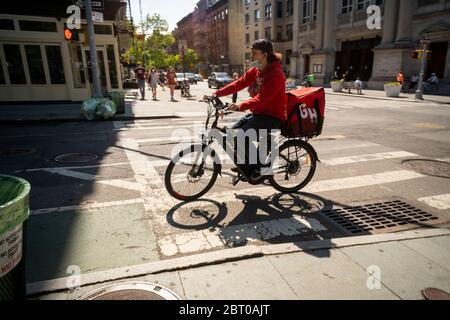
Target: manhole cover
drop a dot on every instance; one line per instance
(76, 157)
(383, 217)
(17, 151)
(429, 167)
(131, 291)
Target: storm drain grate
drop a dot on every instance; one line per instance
(381, 217)
(137, 290)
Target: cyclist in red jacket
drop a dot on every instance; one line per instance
(267, 88)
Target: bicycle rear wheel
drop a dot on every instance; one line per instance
(295, 166)
(192, 173)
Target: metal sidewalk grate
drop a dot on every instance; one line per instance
(382, 217)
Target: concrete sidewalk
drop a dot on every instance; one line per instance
(387, 266)
(134, 109)
(381, 95)
(163, 108)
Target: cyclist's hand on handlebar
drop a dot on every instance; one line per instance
(233, 107)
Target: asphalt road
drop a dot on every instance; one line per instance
(114, 211)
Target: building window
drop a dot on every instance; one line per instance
(267, 33)
(41, 26)
(306, 8)
(2, 75)
(268, 11)
(247, 19)
(35, 64)
(110, 53)
(223, 15)
(14, 64)
(257, 15)
(76, 59)
(363, 4)
(6, 24)
(289, 34)
(247, 38)
(288, 57)
(279, 9)
(290, 8)
(279, 33)
(247, 2)
(347, 6)
(55, 65)
(256, 35)
(424, 3)
(102, 29)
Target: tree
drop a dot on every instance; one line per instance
(191, 58)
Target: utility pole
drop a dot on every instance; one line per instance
(419, 92)
(93, 51)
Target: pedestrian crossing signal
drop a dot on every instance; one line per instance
(70, 34)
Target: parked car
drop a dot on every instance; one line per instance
(180, 79)
(219, 80)
(198, 77)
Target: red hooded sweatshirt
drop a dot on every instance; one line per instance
(268, 91)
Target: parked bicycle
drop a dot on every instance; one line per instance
(194, 170)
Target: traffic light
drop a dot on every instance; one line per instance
(71, 34)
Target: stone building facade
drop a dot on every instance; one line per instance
(334, 35)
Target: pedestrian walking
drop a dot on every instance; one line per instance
(358, 86)
(153, 80)
(140, 76)
(235, 95)
(171, 81)
(162, 80)
(401, 79)
(413, 82)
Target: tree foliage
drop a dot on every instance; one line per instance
(152, 51)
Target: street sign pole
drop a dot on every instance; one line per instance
(419, 92)
(93, 51)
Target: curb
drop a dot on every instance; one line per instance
(62, 120)
(387, 99)
(228, 255)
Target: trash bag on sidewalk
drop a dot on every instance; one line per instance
(98, 109)
(106, 109)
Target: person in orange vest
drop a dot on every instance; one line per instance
(401, 78)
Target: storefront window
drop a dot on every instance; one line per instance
(2, 75)
(14, 64)
(6, 24)
(35, 65)
(41, 26)
(55, 65)
(112, 66)
(79, 79)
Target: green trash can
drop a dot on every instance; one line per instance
(14, 212)
(119, 99)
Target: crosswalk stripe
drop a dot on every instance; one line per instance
(441, 202)
(163, 202)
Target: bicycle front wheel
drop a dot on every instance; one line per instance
(295, 166)
(192, 173)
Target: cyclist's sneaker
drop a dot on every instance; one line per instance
(235, 170)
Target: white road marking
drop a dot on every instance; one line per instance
(87, 206)
(236, 235)
(441, 202)
(163, 201)
(369, 157)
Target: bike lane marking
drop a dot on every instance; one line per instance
(441, 202)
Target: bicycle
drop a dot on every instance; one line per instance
(199, 164)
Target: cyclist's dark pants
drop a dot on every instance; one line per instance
(256, 122)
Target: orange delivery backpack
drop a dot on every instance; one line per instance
(306, 113)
